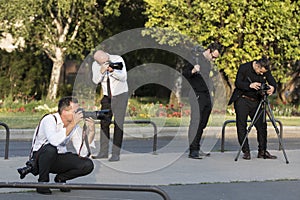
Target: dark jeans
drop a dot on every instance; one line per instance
(244, 108)
(200, 112)
(117, 105)
(67, 166)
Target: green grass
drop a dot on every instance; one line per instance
(25, 120)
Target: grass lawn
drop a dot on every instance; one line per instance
(25, 120)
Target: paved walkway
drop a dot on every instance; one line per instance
(167, 169)
(172, 168)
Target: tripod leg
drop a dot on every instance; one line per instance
(272, 119)
(255, 118)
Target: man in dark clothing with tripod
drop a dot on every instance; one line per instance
(251, 86)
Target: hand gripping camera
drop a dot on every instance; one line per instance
(98, 114)
(116, 65)
(263, 89)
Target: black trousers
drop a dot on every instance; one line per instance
(200, 112)
(67, 166)
(117, 105)
(244, 108)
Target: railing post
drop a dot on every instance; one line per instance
(234, 121)
(144, 122)
(136, 188)
(7, 139)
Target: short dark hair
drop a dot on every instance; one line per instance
(264, 62)
(65, 102)
(215, 46)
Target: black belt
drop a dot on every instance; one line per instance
(249, 98)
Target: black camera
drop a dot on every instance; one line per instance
(31, 167)
(263, 89)
(98, 114)
(116, 65)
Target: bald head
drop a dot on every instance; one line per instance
(101, 57)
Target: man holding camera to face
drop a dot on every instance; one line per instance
(253, 81)
(49, 145)
(110, 71)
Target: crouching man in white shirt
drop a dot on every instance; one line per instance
(49, 144)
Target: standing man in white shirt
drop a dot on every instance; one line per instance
(110, 71)
(49, 144)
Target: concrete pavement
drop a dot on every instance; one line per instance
(169, 168)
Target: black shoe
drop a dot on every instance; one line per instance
(114, 158)
(247, 155)
(265, 155)
(57, 180)
(100, 155)
(195, 155)
(201, 153)
(45, 191)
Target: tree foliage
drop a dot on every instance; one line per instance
(22, 75)
(247, 29)
(57, 27)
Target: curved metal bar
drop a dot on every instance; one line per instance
(234, 121)
(154, 129)
(136, 188)
(143, 122)
(7, 139)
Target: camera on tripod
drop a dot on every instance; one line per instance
(31, 167)
(263, 89)
(116, 65)
(98, 114)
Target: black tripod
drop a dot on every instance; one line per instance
(263, 108)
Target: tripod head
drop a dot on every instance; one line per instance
(263, 89)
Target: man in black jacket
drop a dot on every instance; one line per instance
(250, 79)
(198, 76)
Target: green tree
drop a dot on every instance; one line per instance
(57, 27)
(22, 76)
(247, 29)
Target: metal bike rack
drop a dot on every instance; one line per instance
(234, 121)
(7, 139)
(143, 122)
(136, 188)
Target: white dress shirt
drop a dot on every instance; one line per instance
(118, 78)
(52, 131)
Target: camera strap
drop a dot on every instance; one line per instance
(37, 132)
(85, 140)
(108, 87)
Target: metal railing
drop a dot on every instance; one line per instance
(7, 139)
(143, 122)
(234, 121)
(136, 188)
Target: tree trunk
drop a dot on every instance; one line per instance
(58, 62)
(175, 96)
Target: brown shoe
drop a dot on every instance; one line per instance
(265, 155)
(247, 155)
